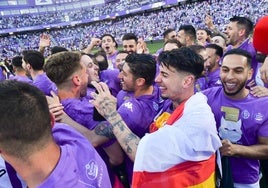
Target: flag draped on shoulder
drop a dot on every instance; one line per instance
(182, 153)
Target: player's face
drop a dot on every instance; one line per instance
(234, 74)
(232, 33)
(211, 63)
(91, 68)
(108, 45)
(120, 58)
(182, 37)
(130, 46)
(170, 82)
(219, 41)
(83, 80)
(201, 35)
(127, 79)
(172, 35)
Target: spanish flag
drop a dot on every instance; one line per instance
(180, 154)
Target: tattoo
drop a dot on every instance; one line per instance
(131, 141)
(108, 107)
(104, 129)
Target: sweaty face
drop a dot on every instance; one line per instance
(232, 33)
(234, 74)
(91, 68)
(127, 79)
(130, 46)
(108, 45)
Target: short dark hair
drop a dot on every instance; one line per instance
(103, 65)
(238, 51)
(112, 37)
(34, 58)
(167, 31)
(130, 36)
(57, 49)
(244, 22)
(25, 121)
(219, 50)
(17, 61)
(183, 59)
(60, 66)
(142, 66)
(189, 30)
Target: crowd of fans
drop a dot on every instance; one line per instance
(146, 25)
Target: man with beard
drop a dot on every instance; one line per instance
(68, 70)
(241, 119)
(130, 43)
(187, 35)
(238, 33)
(184, 142)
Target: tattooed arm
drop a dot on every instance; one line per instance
(106, 106)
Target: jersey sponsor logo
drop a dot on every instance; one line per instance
(245, 114)
(259, 116)
(129, 106)
(92, 170)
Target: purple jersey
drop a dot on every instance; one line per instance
(122, 96)
(79, 165)
(201, 84)
(213, 78)
(21, 79)
(247, 45)
(42, 82)
(241, 122)
(81, 111)
(139, 113)
(110, 77)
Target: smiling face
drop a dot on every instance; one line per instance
(127, 79)
(130, 46)
(201, 35)
(232, 32)
(170, 83)
(234, 74)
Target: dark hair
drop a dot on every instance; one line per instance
(197, 48)
(25, 122)
(103, 64)
(244, 22)
(142, 66)
(167, 31)
(173, 41)
(17, 61)
(130, 36)
(57, 49)
(238, 51)
(219, 50)
(112, 37)
(189, 30)
(34, 58)
(60, 66)
(183, 59)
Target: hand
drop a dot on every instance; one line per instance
(55, 107)
(142, 47)
(264, 71)
(259, 91)
(228, 149)
(104, 101)
(95, 42)
(44, 40)
(209, 22)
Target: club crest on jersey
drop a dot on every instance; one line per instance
(92, 170)
(129, 105)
